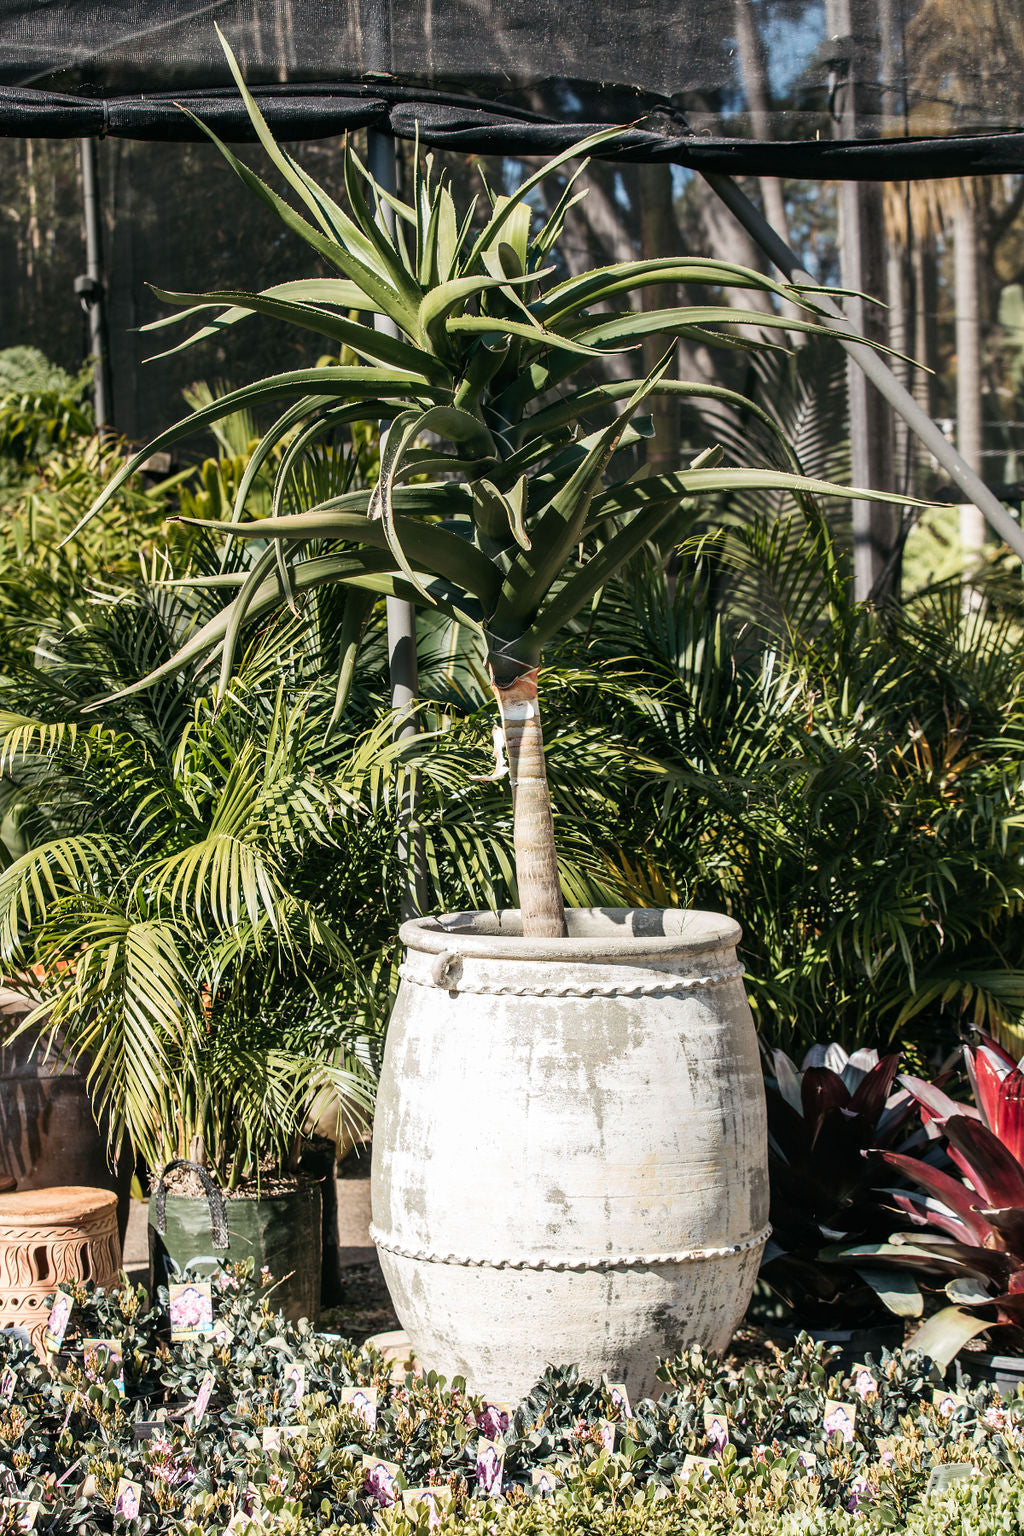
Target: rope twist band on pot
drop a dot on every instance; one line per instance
(600, 1263)
(444, 974)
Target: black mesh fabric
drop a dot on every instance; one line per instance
(713, 83)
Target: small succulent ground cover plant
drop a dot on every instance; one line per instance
(503, 497)
(270, 1425)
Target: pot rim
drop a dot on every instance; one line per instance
(604, 935)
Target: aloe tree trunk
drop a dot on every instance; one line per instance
(540, 893)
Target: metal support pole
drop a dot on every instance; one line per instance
(91, 288)
(401, 615)
(871, 363)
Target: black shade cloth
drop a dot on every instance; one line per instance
(754, 86)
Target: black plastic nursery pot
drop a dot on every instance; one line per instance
(280, 1232)
(1005, 1372)
(853, 1344)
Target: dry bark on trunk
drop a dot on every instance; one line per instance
(540, 893)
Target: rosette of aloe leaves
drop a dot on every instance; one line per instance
(497, 499)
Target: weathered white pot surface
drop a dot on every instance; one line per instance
(569, 1150)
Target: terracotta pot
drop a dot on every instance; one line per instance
(570, 1146)
(49, 1237)
(48, 1136)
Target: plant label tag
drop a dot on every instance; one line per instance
(295, 1382)
(494, 1419)
(703, 1466)
(220, 1333)
(716, 1430)
(807, 1462)
(490, 1465)
(145, 1429)
(620, 1400)
(946, 1403)
(380, 1481)
(437, 1501)
(864, 1383)
(240, 1523)
(544, 1481)
(25, 1512)
(276, 1435)
(362, 1401)
(203, 1396)
(190, 1308)
(8, 1382)
(104, 1362)
(940, 1478)
(127, 1499)
(57, 1322)
(839, 1419)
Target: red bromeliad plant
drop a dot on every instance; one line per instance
(968, 1217)
(822, 1121)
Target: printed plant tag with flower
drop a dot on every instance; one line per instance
(807, 1462)
(203, 1396)
(362, 1401)
(864, 1383)
(381, 1481)
(490, 1465)
(544, 1481)
(839, 1419)
(946, 1402)
(220, 1333)
(104, 1362)
(8, 1382)
(127, 1499)
(57, 1322)
(620, 1400)
(494, 1419)
(437, 1501)
(294, 1389)
(716, 1430)
(606, 1435)
(190, 1307)
(703, 1466)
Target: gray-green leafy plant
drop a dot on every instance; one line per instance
(497, 499)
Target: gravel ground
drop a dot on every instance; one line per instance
(364, 1307)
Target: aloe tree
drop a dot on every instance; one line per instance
(496, 499)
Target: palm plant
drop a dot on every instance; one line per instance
(480, 374)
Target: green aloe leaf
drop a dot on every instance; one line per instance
(366, 384)
(446, 420)
(383, 296)
(377, 346)
(603, 283)
(434, 549)
(440, 302)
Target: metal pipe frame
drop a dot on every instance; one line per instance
(871, 363)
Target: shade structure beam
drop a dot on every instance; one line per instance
(872, 364)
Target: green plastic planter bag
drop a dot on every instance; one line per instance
(279, 1232)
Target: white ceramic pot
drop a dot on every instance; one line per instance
(569, 1149)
